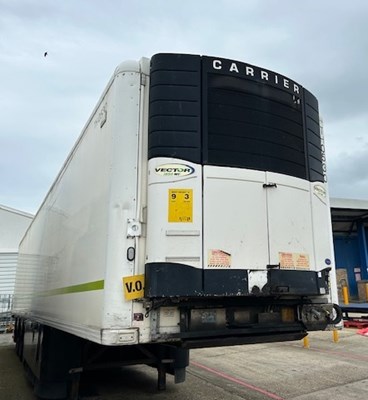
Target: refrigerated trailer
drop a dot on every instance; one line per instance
(192, 212)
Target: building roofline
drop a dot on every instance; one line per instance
(18, 212)
(353, 204)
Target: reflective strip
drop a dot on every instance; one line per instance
(84, 287)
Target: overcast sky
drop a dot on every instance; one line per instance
(45, 101)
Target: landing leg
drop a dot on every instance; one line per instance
(161, 381)
(74, 385)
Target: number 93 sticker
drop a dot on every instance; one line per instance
(180, 205)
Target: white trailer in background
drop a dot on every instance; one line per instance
(192, 212)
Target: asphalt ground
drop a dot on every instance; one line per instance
(288, 370)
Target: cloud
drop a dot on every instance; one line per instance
(348, 174)
(45, 102)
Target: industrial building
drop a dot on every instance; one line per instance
(349, 227)
(13, 225)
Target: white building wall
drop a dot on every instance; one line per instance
(13, 225)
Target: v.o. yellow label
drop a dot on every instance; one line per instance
(180, 205)
(133, 287)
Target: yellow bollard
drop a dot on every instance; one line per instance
(345, 294)
(366, 292)
(306, 342)
(335, 335)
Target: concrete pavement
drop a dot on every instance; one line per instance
(278, 371)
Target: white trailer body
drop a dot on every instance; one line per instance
(193, 211)
(73, 257)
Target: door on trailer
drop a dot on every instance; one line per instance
(252, 220)
(234, 219)
(289, 222)
(234, 228)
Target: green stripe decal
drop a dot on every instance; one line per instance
(83, 287)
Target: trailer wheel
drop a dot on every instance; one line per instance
(337, 314)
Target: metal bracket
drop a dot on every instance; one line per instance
(134, 228)
(154, 314)
(143, 80)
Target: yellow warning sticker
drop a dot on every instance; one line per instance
(293, 260)
(218, 259)
(133, 287)
(180, 205)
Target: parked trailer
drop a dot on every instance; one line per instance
(192, 212)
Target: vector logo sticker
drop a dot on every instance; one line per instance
(174, 170)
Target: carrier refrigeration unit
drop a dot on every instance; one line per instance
(192, 212)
